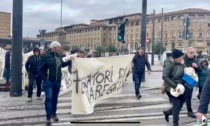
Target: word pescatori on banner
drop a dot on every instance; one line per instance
(95, 79)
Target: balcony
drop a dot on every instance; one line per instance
(200, 38)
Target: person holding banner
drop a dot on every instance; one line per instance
(139, 62)
(50, 71)
(31, 68)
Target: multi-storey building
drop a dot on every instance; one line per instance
(104, 32)
(5, 24)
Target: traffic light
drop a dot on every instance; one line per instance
(186, 31)
(121, 33)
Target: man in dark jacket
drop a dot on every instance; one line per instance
(190, 61)
(139, 62)
(31, 68)
(50, 71)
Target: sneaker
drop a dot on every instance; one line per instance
(139, 96)
(39, 98)
(55, 118)
(191, 114)
(30, 99)
(166, 116)
(48, 121)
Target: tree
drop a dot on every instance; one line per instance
(87, 49)
(157, 48)
(74, 49)
(99, 49)
(111, 48)
(66, 48)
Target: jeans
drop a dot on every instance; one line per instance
(177, 104)
(52, 90)
(188, 97)
(137, 79)
(32, 78)
(6, 74)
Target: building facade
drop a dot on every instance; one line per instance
(5, 24)
(104, 32)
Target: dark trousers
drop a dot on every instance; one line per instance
(188, 97)
(177, 103)
(200, 90)
(137, 79)
(52, 90)
(32, 78)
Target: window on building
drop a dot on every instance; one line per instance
(200, 34)
(191, 34)
(166, 35)
(208, 34)
(131, 30)
(181, 17)
(172, 34)
(192, 16)
(200, 16)
(131, 37)
(208, 24)
(180, 34)
(137, 23)
(132, 24)
(137, 29)
(166, 44)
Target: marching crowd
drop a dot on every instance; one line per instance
(45, 67)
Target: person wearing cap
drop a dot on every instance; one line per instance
(50, 71)
(190, 61)
(173, 71)
(139, 62)
(31, 66)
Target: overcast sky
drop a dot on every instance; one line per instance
(45, 14)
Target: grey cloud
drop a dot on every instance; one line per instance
(45, 14)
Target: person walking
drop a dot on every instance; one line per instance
(50, 71)
(7, 67)
(173, 71)
(139, 62)
(31, 68)
(202, 75)
(190, 61)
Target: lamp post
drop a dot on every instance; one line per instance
(16, 64)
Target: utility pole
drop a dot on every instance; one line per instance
(153, 37)
(61, 13)
(143, 28)
(16, 64)
(161, 45)
(143, 23)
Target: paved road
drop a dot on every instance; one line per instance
(123, 107)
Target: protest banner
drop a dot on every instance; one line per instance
(95, 79)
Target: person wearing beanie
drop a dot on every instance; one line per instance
(173, 71)
(50, 71)
(191, 61)
(31, 66)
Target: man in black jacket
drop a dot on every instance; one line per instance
(139, 62)
(31, 68)
(190, 61)
(50, 71)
